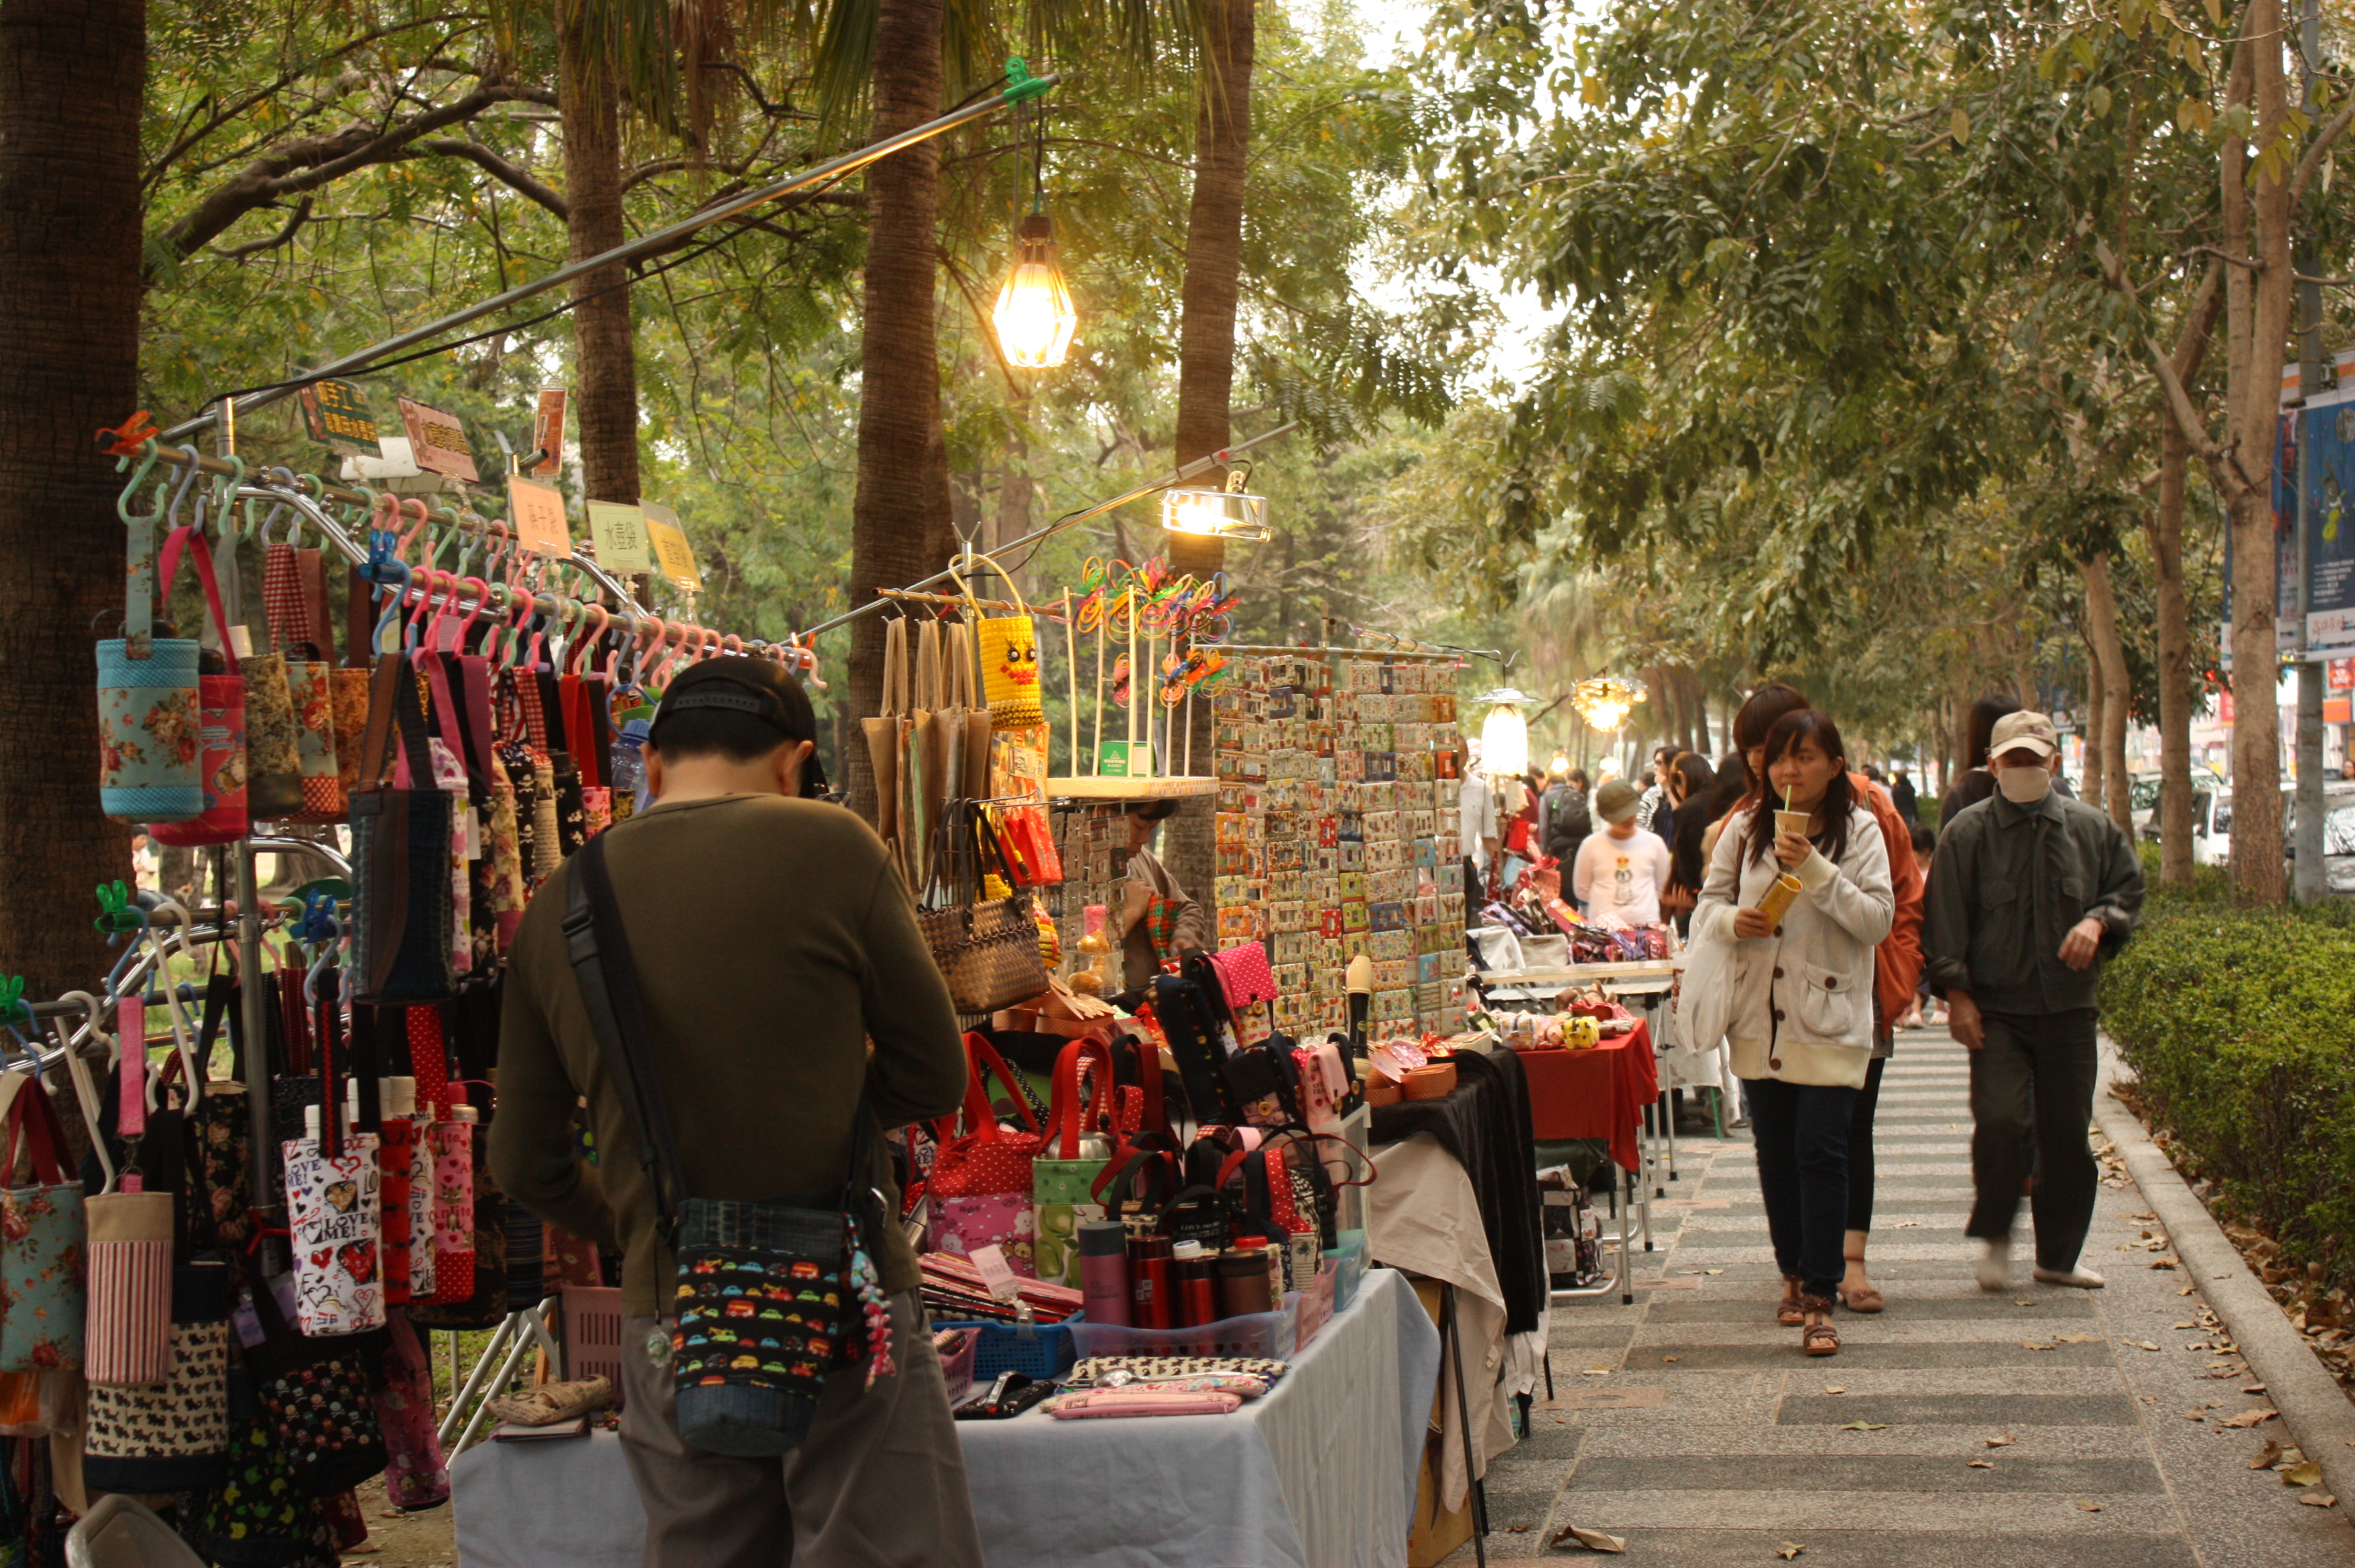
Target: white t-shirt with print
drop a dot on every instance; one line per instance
(1617, 881)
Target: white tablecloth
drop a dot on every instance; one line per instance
(1320, 1474)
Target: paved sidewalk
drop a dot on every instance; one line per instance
(1691, 1425)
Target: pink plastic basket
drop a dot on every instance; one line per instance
(956, 1366)
(593, 1334)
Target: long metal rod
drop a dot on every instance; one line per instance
(1200, 465)
(834, 168)
(253, 1004)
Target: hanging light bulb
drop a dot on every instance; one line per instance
(1503, 735)
(1034, 314)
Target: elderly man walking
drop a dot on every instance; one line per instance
(2029, 892)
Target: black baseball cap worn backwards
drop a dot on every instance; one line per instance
(757, 688)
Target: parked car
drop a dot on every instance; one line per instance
(2339, 849)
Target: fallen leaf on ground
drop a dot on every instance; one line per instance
(2005, 1441)
(2186, 1290)
(1844, 1391)
(1592, 1539)
(2075, 1338)
(2185, 1324)
(1712, 1271)
(1788, 1550)
(2266, 1457)
(2318, 1499)
(1668, 1358)
(1906, 1225)
(2140, 1344)
(2033, 1345)
(2165, 1263)
(1982, 1464)
(1518, 1529)
(2253, 1388)
(2251, 1418)
(2022, 1301)
(1864, 1427)
(2084, 1506)
(2308, 1474)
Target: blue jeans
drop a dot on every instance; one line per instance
(1802, 1132)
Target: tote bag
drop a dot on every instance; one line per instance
(221, 720)
(403, 916)
(150, 748)
(1010, 661)
(173, 1435)
(1061, 1178)
(43, 1242)
(319, 1397)
(295, 593)
(981, 1181)
(128, 1339)
(987, 950)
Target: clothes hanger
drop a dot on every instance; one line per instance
(78, 1071)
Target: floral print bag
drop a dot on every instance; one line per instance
(150, 758)
(43, 1242)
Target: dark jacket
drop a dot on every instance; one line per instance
(2008, 883)
(1564, 821)
(1900, 795)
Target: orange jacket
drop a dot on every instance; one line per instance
(1897, 962)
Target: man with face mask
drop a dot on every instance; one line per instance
(2028, 893)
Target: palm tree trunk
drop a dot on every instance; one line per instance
(74, 72)
(2175, 813)
(899, 518)
(1206, 345)
(604, 358)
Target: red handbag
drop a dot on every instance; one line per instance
(1244, 976)
(220, 722)
(979, 1187)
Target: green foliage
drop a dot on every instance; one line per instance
(2240, 1026)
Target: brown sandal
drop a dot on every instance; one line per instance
(1790, 1312)
(1819, 1338)
(1869, 1299)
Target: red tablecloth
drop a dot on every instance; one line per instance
(1598, 1093)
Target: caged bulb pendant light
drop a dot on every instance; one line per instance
(1503, 735)
(1034, 314)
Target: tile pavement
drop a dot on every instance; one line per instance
(1691, 1424)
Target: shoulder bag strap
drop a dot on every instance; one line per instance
(608, 978)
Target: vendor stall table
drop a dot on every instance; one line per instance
(1319, 1474)
(1644, 987)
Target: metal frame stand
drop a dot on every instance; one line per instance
(521, 1333)
(1452, 1337)
(1625, 1195)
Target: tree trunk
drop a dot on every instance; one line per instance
(2175, 813)
(1206, 348)
(2097, 694)
(2258, 309)
(72, 73)
(2108, 742)
(899, 518)
(604, 358)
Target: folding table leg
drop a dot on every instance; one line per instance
(1668, 1124)
(1451, 1331)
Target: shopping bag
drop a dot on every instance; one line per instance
(481, 1229)
(128, 1337)
(42, 1238)
(1009, 662)
(295, 593)
(403, 917)
(150, 747)
(981, 1180)
(320, 1400)
(416, 1474)
(221, 720)
(1063, 1174)
(886, 737)
(172, 1436)
(987, 949)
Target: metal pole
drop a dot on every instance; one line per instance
(253, 1007)
(1200, 465)
(2305, 845)
(834, 168)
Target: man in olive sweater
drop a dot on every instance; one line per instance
(2029, 892)
(779, 969)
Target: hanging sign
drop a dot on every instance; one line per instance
(337, 414)
(437, 441)
(547, 431)
(620, 533)
(676, 560)
(537, 511)
(2329, 522)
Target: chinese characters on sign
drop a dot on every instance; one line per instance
(538, 512)
(620, 535)
(437, 441)
(337, 414)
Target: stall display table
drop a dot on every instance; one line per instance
(1595, 1094)
(1319, 1474)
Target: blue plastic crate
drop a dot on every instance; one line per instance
(1047, 1352)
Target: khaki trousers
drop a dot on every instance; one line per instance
(879, 1483)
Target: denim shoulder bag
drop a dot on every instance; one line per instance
(772, 1296)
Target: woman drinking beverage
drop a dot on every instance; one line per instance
(1799, 886)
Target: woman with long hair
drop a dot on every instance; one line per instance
(1800, 1016)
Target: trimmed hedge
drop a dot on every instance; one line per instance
(2240, 1024)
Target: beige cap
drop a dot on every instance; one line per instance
(1616, 801)
(2032, 730)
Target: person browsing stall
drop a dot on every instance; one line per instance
(1620, 872)
(2030, 893)
(781, 971)
(1158, 920)
(1800, 1015)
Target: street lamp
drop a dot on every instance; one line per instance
(1605, 700)
(1217, 513)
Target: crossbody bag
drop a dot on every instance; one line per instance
(771, 1297)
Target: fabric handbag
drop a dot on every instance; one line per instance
(1009, 663)
(319, 1397)
(987, 949)
(1702, 1005)
(42, 1238)
(772, 1296)
(128, 1339)
(295, 593)
(171, 1436)
(1062, 1178)
(220, 1134)
(416, 1474)
(1245, 978)
(148, 707)
(334, 1204)
(402, 912)
(221, 720)
(254, 1517)
(980, 1184)
(470, 1243)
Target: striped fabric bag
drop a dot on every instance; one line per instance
(128, 1337)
